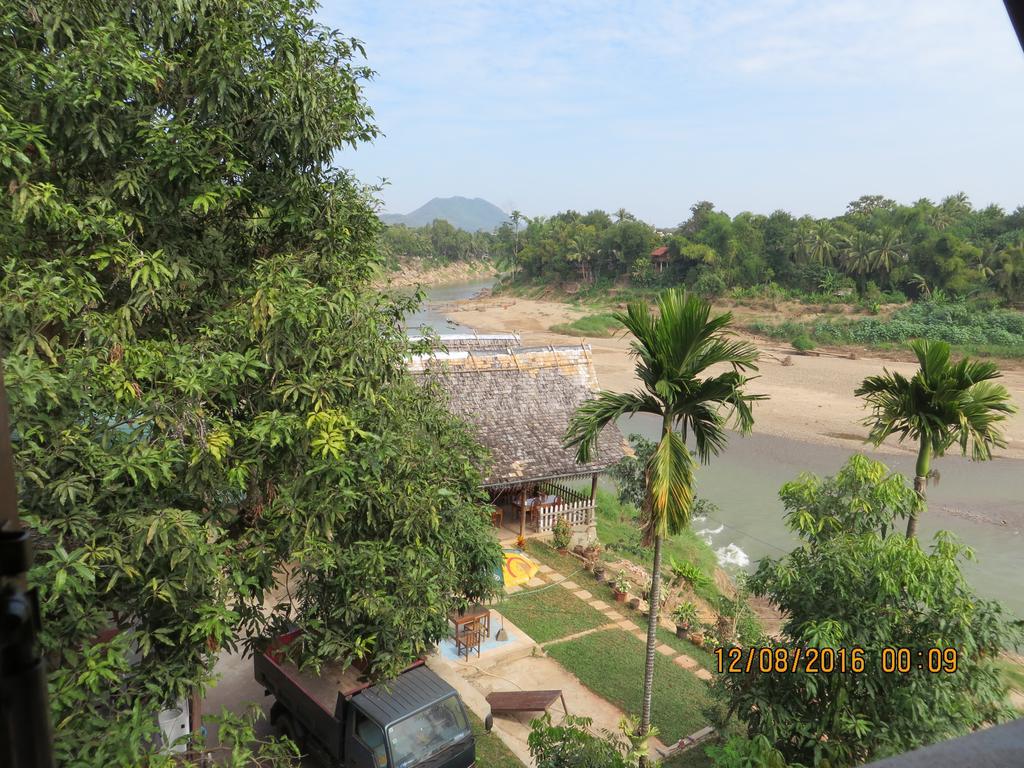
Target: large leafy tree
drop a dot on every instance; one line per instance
(941, 405)
(205, 392)
(673, 350)
(853, 583)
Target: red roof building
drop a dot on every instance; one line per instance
(659, 258)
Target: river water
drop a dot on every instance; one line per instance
(971, 500)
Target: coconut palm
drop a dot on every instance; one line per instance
(822, 243)
(857, 253)
(673, 350)
(887, 251)
(517, 218)
(942, 404)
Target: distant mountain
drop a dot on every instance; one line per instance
(461, 212)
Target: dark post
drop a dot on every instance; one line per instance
(26, 740)
(522, 512)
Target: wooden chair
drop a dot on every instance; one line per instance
(496, 515)
(469, 638)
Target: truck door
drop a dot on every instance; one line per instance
(364, 742)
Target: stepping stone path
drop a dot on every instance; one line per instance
(547, 575)
(685, 661)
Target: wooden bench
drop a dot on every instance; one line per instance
(524, 701)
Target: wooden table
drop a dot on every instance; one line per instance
(472, 615)
(524, 701)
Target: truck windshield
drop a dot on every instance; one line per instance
(418, 737)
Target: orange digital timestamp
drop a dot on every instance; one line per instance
(782, 660)
(891, 660)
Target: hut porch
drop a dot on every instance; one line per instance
(533, 508)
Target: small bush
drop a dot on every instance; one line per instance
(803, 343)
(562, 534)
(601, 325)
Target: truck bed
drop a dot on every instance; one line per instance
(324, 689)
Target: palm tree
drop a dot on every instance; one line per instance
(887, 251)
(822, 243)
(942, 404)
(517, 217)
(857, 258)
(673, 351)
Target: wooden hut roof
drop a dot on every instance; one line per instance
(519, 403)
(455, 342)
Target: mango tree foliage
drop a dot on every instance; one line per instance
(855, 583)
(204, 389)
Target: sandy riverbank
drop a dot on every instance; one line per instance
(417, 272)
(810, 400)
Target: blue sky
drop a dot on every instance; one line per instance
(651, 106)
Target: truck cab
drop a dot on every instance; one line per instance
(414, 721)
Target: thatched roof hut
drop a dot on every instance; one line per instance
(461, 342)
(519, 403)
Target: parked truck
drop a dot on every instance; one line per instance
(416, 720)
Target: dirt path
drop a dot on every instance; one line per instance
(810, 398)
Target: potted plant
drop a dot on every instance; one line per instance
(685, 617)
(620, 587)
(698, 634)
(562, 534)
(521, 542)
(599, 570)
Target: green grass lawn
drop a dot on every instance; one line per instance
(611, 663)
(570, 566)
(549, 613)
(490, 750)
(601, 325)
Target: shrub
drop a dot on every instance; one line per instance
(802, 343)
(685, 614)
(562, 534)
(621, 583)
(709, 284)
(571, 744)
(688, 573)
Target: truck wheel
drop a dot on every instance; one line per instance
(286, 727)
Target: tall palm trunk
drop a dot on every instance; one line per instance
(924, 457)
(652, 638)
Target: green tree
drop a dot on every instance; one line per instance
(849, 586)
(571, 744)
(205, 392)
(942, 404)
(887, 252)
(674, 350)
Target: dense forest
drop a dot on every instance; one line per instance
(876, 247)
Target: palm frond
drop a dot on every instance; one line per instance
(670, 488)
(592, 416)
(943, 403)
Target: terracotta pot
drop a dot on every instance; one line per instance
(620, 597)
(696, 638)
